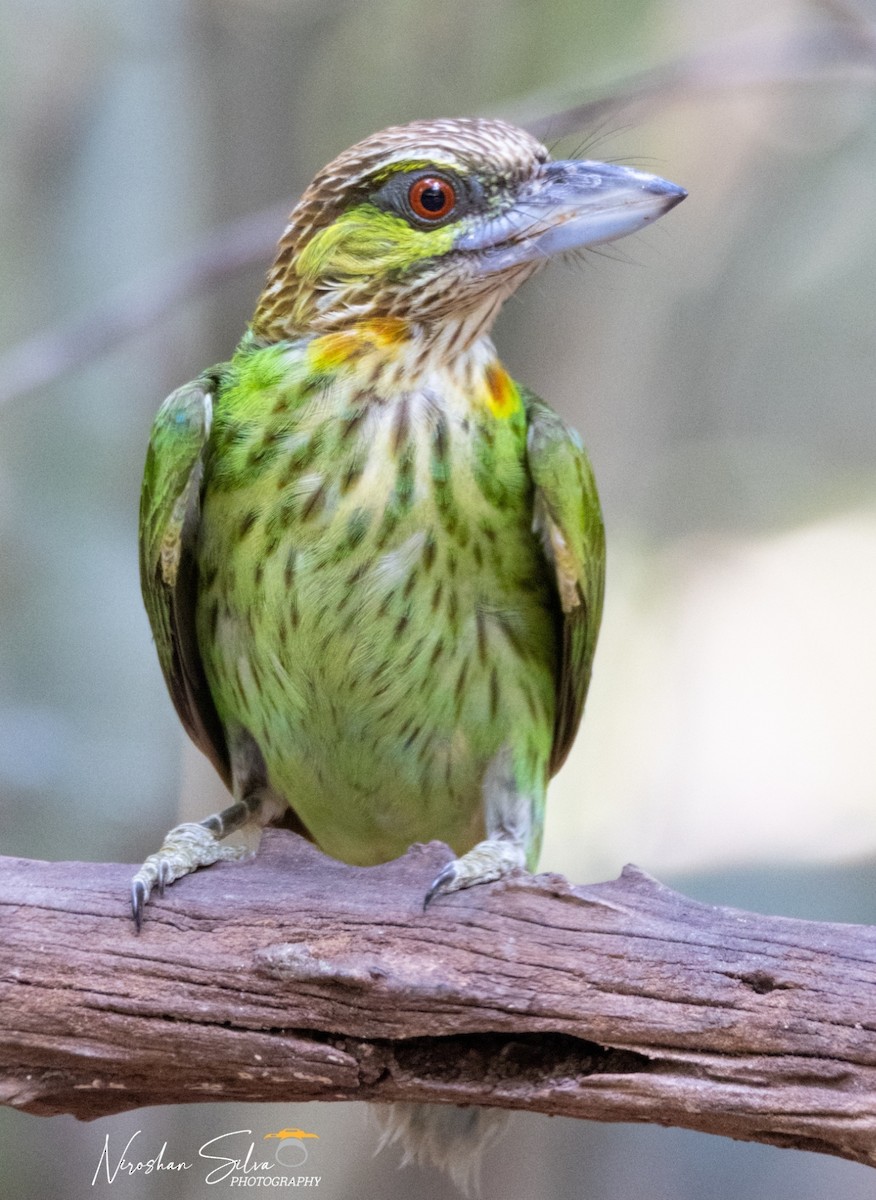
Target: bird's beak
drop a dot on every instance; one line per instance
(566, 206)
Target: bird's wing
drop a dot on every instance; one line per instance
(568, 520)
(170, 505)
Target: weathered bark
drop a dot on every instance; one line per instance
(293, 977)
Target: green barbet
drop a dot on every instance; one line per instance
(373, 564)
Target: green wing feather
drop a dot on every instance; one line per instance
(169, 515)
(568, 519)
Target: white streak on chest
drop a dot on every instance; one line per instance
(394, 567)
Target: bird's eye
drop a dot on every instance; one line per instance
(431, 198)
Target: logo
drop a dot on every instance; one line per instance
(291, 1151)
(233, 1155)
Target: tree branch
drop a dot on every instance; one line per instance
(294, 977)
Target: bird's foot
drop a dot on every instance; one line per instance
(487, 861)
(186, 847)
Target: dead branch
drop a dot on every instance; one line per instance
(293, 977)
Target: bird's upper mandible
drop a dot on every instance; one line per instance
(437, 222)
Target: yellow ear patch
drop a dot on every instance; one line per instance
(501, 394)
(365, 243)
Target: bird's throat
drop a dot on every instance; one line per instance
(388, 354)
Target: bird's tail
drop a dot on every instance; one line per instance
(441, 1135)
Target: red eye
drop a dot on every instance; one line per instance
(431, 198)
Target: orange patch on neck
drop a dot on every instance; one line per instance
(502, 396)
(388, 331)
(331, 351)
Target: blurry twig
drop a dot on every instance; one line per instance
(751, 60)
(135, 307)
(854, 17)
(847, 45)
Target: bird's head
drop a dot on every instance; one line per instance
(436, 223)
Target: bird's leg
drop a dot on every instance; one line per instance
(513, 817)
(198, 844)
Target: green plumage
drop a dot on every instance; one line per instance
(371, 603)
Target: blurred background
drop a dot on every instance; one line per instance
(720, 366)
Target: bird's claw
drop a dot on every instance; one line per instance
(139, 896)
(185, 848)
(443, 882)
(487, 861)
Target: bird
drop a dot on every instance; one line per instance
(372, 562)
